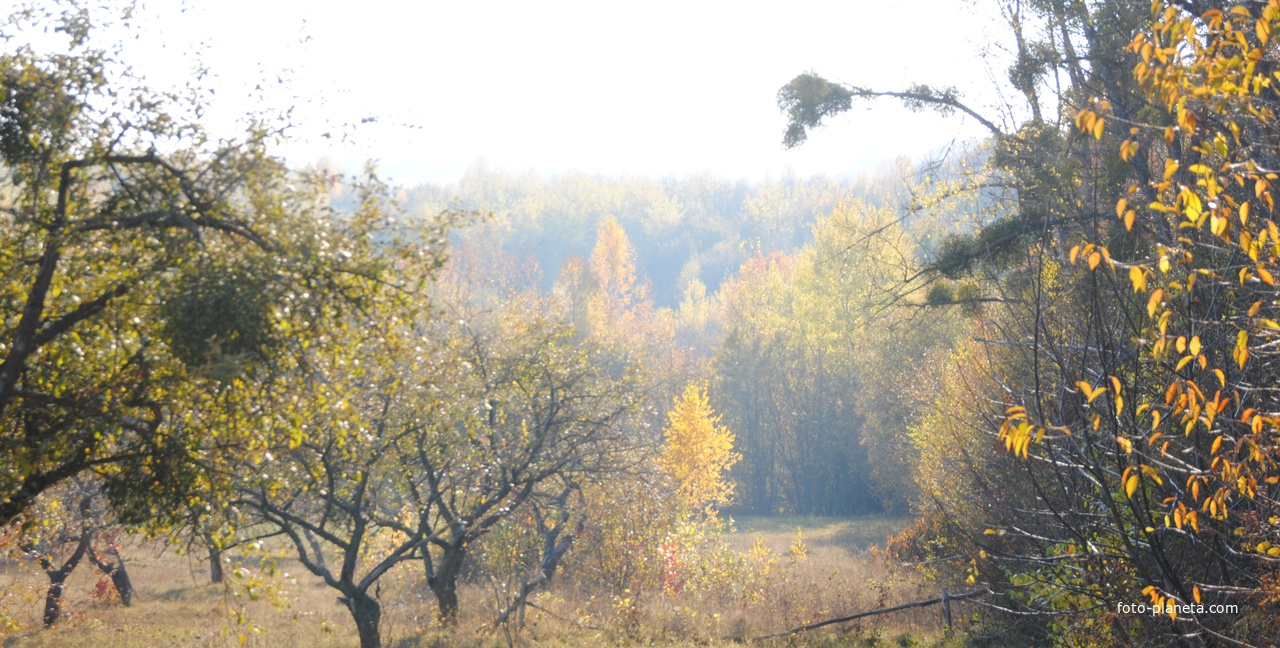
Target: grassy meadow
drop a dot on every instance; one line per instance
(834, 574)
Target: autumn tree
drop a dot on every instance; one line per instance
(336, 493)
(799, 443)
(329, 420)
(94, 218)
(69, 526)
(697, 452)
(850, 294)
(534, 406)
(148, 265)
(618, 306)
(1119, 444)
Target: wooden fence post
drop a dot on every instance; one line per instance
(946, 609)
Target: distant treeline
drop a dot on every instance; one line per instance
(698, 227)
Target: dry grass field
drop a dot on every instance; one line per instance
(176, 606)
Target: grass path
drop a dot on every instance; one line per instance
(850, 534)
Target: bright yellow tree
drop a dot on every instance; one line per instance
(697, 452)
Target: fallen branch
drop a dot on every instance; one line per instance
(914, 604)
(564, 619)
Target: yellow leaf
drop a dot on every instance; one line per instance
(1131, 485)
(1075, 251)
(1139, 279)
(1129, 148)
(1084, 387)
(1154, 302)
(1097, 128)
(1152, 473)
(1126, 444)
(1194, 347)
(1124, 202)
(1080, 117)
(1094, 260)
(1128, 220)
(1242, 348)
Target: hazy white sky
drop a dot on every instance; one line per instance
(646, 88)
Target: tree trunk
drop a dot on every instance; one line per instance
(447, 598)
(120, 578)
(119, 575)
(215, 561)
(444, 584)
(53, 598)
(58, 577)
(367, 614)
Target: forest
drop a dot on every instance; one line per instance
(960, 401)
